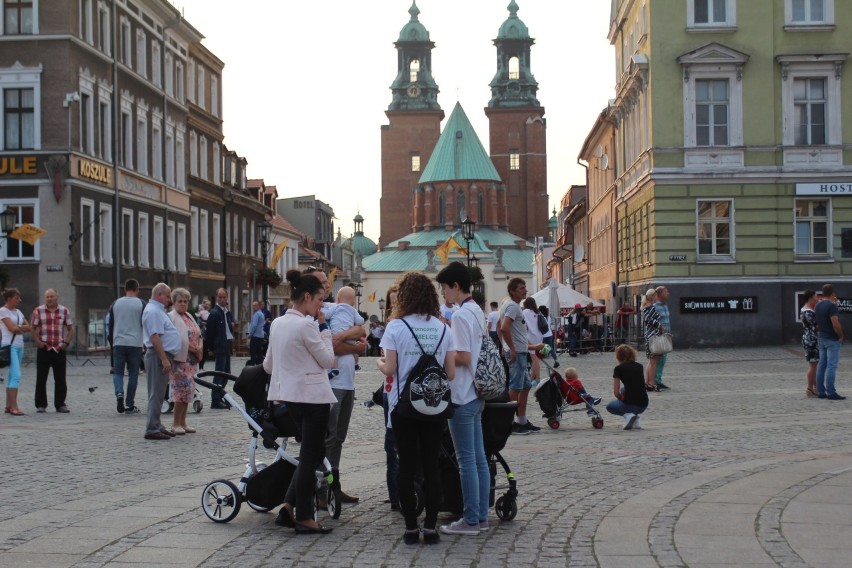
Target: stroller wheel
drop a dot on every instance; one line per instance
(221, 501)
(553, 423)
(597, 422)
(197, 406)
(333, 501)
(506, 508)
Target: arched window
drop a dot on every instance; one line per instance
(481, 206)
(514, 67)
(461, 205)
(441, 204)
(413, 70)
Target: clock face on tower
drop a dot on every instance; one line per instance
(413, 91)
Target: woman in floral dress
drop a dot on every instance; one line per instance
(809, 340)
(181, 385)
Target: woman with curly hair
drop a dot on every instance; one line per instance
(416, 317)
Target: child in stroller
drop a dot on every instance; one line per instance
(262, 487)
(557, 394)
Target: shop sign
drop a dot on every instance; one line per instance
(298, 204)
(18, 165)
(677, 257)
(94, 171)
(824, 189)
(719, 305)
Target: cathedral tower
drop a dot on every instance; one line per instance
(414, 125)
(517, 130)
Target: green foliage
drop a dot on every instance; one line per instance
(265, 276)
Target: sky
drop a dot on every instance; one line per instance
(306, 84)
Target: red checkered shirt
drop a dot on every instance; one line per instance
(52, 325)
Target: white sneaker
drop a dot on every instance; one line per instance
(460, 527)
(637, 425)
(629, 420)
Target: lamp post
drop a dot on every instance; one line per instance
(382, 309)
(7, 222)
(263, 230)
(468, 232)
(357, 287)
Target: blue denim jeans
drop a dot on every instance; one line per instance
(131, 357)
(829, 356)
(466, 430)
(661, 364)
(619, 408)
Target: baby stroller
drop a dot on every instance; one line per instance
(197, 401)
(497, 421)
(556, 394)
(262, 486)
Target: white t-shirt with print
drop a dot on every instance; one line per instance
(16, 318)
(468, 330)
(398, 338)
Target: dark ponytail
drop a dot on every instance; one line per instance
(301, 284)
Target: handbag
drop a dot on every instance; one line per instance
(660, 344)
(426, 395)
(6, 353)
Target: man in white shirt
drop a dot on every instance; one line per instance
(493, 319)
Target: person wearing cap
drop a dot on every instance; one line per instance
(665, 322)
(652, 327)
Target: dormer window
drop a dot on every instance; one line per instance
(514, 68)
(413, 70)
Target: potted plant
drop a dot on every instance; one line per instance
(266, 276)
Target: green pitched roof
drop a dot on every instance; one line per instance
(459, 155)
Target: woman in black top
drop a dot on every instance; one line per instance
(628, 387)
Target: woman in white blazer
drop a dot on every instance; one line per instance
(300, 349)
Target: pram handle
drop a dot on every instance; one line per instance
(216, 374)
(204, 383)
(510, 404)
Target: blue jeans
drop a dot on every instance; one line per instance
(829, 356)
(551, 340)
(466, 430)
(223, 364)
(620, 408)
(131, 357)
(661, 364)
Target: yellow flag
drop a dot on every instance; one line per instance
(444, 249)
(331, 276)
(279, 251)
(372, 297)
(28, 233)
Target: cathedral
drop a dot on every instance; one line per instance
(433, 179)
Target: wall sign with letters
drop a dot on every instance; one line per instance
(18, 165)
(719, 305)
(825, 189)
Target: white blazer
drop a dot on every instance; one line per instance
(297, 358)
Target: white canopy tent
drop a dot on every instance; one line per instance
(560, 299)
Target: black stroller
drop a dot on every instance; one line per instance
(556, 394)
(262, 487)
(497, 421)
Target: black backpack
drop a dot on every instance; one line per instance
(426, 395)
(542, 324)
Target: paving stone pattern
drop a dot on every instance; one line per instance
(733, 467)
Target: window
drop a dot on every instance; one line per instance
(87, 124)
(13, 249)
(86, 21)
(812, 227)
(142, 232)
(190, 71)
(158, 242)
(156, 148)
(142, 140)
(181, 161)
(141, 53)
(124, 41)
(156, 73)
(87, 231)
(228, 233)
(104, 32)
(193, 154)
(809, 104)
(514, 68)
(105, 233)
(217, 237)
(179, 81)
(711, 112)
(711, 13)
(170, 155)
(193, 232)
(171, 246)
(204, 233)
(202, 87)
(809, 12)
(514, 160)
(713, 230)
(217, 164)
(202, 157)
(19, 119)
(170, 74)
(415, 162)
(127, 237)
(126, 134)
(181, 250)
(214, 95)
(413, 70)
(104, 126)
(18, 17)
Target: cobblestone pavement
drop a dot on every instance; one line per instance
(733, 467)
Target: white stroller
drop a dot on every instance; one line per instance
(262, 487)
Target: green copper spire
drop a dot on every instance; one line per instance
(514, 84)
(459, 155)
(414, 88)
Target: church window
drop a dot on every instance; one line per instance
(481, 206)
(441, 212)
(415, 162)
(514, 68)
(514, 160)
(461, 205)
(413, 70)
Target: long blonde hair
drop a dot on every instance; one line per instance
(646, 299)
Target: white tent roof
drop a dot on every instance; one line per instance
(567, 298)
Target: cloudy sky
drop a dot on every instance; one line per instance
(306, 84)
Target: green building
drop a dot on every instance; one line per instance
(733, 184)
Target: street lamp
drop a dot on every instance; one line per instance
(474, 261)
(382, 308)
(7, 222)
(357, 287)
(263, 230)
(468, 231)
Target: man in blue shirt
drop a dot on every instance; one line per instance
(665, 321)
(829, 339)
(256, 335)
